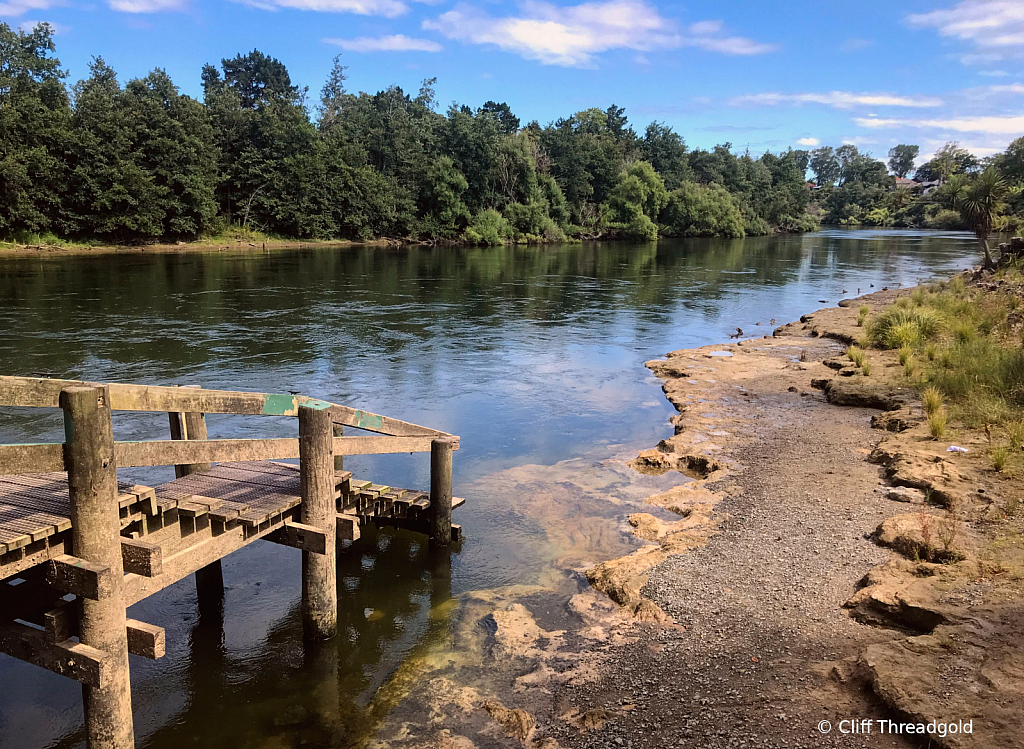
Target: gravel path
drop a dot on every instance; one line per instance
(757, 657)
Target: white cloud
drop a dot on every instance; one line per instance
(838, 99)
(994, 73)
(393, 43)
(387, 8)
(995, 26)
(572, 35)
(993, 125)
(809, 142)
(20, 7)
(146, 6)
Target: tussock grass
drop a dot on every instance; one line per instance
(902, 325)
(932, 399)
(865, 367)
(937, 423)
(999, 457)
(856, 355)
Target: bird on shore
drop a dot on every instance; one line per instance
(858, 291)
(737, 334)
(772, 321)
(845, 291)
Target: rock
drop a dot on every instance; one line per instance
(894, 421)
(904, 494)
(649, 612)
(516, 633)
(820, 383)
(968, 671)
(866, 395)
(922, 536)
(658, 461)
(518, 724)
(837, 362)
(901, 593)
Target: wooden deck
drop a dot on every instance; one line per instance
(78, 547)
(35, 509)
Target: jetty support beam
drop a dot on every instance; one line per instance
(96, 538)
(316, 478)
(441, 491)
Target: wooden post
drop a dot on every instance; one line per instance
(339, 460)
(316, 476)
(441, 491)
(96, 538)
(209, 579)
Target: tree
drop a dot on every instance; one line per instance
(1010, 163)
(981, 204)
(640, 192)
(665, 149)
(508, 122)
(825, 166)
(901, 159)
(948, 160)
(333, 95)
(35, 131)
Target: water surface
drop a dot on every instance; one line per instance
(534, 356)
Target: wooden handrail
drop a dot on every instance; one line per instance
(47, 457)
(45, 393)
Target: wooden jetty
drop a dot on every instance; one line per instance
(77, 546)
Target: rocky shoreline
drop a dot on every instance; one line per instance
(827, 561)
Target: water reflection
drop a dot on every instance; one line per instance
(533, 355)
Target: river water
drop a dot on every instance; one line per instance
(534, 356)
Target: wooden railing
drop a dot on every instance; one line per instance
(392, 435)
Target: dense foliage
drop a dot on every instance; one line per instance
(102, 161)
(140, 162)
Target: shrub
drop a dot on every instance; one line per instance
(904, 325)
(932, 400)
(489, 228)
(945, 219)
(703, 211)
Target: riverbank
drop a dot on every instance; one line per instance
(828, 561)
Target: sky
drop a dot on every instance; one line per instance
(760, 75)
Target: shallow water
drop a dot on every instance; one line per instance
(534, 356)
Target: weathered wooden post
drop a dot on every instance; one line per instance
(339, 460)
(316, 476)
(209, 579)
(441, 491)
(96, 538)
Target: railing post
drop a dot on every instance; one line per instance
(316, 475)
(441, 491)
(96, 538)
(339, 460)
(209, 579)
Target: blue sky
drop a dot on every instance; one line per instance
(763, 75)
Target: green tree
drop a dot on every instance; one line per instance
(902, 158)
(35, 131)
(979, 206)
(695, 210)
(444, 212)
(665, 149)
(825, 166)
(947, 161)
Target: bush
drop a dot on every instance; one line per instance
(902, 325)
(944, 219)
(703, 211)
(489, 228)
(641, 228)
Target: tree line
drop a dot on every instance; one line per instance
(98, 161)
(142, 162)
(856, 189)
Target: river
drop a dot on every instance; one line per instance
(534, 356)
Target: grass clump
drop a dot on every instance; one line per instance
(902, 325)
(932, 400)
(999, 457)
(862, 315)
(1015, 435)
(937, 423)
(865, 367)
(856, 355)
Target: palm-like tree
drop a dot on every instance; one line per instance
(979, 205)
